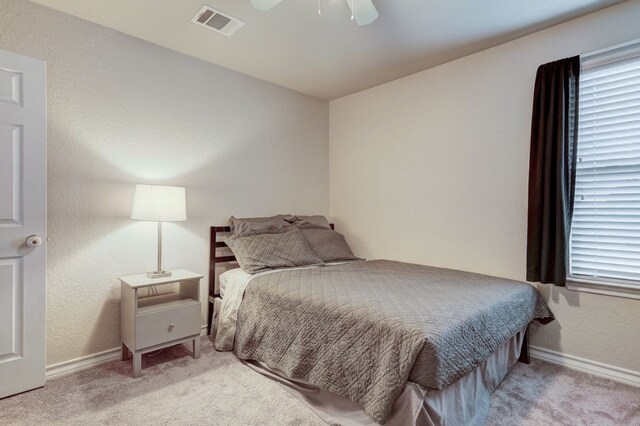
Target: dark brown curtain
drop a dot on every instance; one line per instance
(552, 170)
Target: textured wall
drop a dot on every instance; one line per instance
(433, 169)
(123, 111)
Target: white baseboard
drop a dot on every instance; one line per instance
(82, 363)
(611, 372)
(89, 361)
(595, 368)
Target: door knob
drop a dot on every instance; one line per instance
(34, 241)
(171, 326)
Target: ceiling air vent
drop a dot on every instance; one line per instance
(217, 21)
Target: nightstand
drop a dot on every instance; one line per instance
(162, 320)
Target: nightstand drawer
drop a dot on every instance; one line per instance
(164, 325)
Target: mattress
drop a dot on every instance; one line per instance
(231, 288)
(362, 330)
(464, 402)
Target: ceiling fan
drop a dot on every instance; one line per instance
(362, 11)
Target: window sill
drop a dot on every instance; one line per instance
(607, 288)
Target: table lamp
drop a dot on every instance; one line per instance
(159, 204)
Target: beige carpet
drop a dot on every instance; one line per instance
(219, 390)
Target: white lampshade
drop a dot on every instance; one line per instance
(159, 203)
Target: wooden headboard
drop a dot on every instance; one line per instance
(214, 260)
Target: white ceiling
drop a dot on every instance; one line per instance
(329, 56)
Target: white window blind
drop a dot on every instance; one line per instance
(605, 233)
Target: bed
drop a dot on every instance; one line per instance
(366, 342)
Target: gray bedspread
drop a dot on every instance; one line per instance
(363, 329)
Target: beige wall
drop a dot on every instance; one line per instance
(433, 169)
(123, 111)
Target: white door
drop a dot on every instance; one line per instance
(23, 213)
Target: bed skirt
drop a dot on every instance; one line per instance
(464, 402)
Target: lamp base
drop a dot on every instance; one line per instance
(159, 274)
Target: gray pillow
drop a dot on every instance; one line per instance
(260, 225)
(262, 252)
(310, 222)
(328, 245)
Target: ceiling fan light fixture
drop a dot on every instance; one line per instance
(362, 11)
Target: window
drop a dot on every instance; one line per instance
(605, 234)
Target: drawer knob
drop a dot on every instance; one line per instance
(171, 326)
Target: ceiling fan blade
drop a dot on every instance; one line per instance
(264, 4)
(363, 10)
